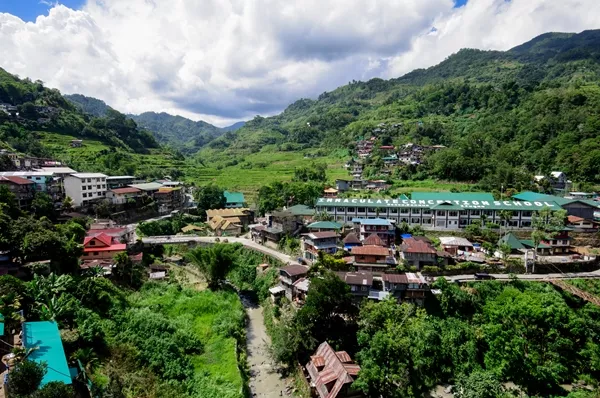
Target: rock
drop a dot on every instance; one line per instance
(448, 390)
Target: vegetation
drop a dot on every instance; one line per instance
(209, 197)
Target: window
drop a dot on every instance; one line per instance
(427, 221)
(353, 288)
(463, 221)
(464, 213)
(83, 188)
(341, 210)
(404, 220)
(475, 212)
(92, 243)
(526, 224)
(89, 187)
(350, 209)
(526, 214)
(95, 253)
(416, 211)
(415, 221)
(371, 210)
(441, 213)
(98, 186)
(404, 211)
(393, 210)
(453, 213)
(361, 209)
(440, 223)
(426, 212)
(363, 288)
(84, 195)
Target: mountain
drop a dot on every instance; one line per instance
(90, 105)
(502, 114)
(178, 131)
(234, 127)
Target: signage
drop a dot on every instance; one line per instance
(467, 204)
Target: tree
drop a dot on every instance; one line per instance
(209, 197)
(546, 224)
(505, 251)
(43, 205)
(67, 204)
(25, 378)
(478, 384)
(314, 172)
(127, 272)
(54, 389)
(506, 216)
(214, 262)
(9, 200)
(6, 164)
(50, 294)
(328, 262)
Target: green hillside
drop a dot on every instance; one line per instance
(503, 115)
(90, 105)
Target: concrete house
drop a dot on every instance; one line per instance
(316, 242)
(84, 188)
(418, 253)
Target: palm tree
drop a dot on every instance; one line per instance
(506, 215)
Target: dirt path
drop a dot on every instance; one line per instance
(265, 382)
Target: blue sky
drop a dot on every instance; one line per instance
(459, 3)
(28, 10)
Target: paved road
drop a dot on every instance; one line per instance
(249, 243)
(530, 277)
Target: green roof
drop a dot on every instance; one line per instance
(529, 243)
(234, 197)
(325, 225)
(403, 197)
(536, 196)
(513, 241)
(453, 196)
(45, 337)
(301, 210)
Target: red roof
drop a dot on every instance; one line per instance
(395, 278)
(386, 147)
(370, 250)
(101, 237)
(337, 367)
(121, 191)
(575, 219)
(119, 247)
(16, 180)
(351, 238)
(373, 240)
(412, 245)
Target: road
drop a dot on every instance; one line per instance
(530, 277)
(248, 243)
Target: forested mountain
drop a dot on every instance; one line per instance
(93, 106)
(502, 115)
(178, 131)
(42, 110)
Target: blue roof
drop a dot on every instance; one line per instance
(234, 197)
(372, 221)
(46, 338)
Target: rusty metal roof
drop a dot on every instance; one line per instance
(370, 250)
(338, 367)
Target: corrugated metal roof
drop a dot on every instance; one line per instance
(370, 250)
(454, 241)
(323, 235)
(411, 245)
(372, 221)
(294, 270)
(396, 278)
(452, 196)
(325, 225)
(234, 197)
(373, 240)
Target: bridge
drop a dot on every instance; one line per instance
(247, 243)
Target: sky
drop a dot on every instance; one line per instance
(228, 60)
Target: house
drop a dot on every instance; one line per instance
(383, 228)
(417, 289)
(542, 250)
(43, 339)
(101, 246)
(83, 188)
(342, 185)
(332, 373)
(243, 216)
(119, 196)
(316, 242)
(285, 222)
(23, 189)
(583, 208)
(290, 274)
(120, 234)
(320, 226)
(61, 172)
(372, 258)
(515, 244)
(234, 200)
(559, 180)
(580, 224)
(330, 193)
(113, 182)
(376, 185)
(559, 243)
(418, 253)
(360, 282)
(301, 289)
(350, 241)
(387, 148)
(305, 213)
(228, 226)
(76, 143)
(455, 245)
(150, 188)
(169, 199)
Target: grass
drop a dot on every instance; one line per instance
(215, 317)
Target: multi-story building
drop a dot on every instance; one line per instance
(372, 258)
(418, 253)
(437, 211)
(288, 278)
(120, 196)
(405, 287)
(23, 189)
(381, 227)
(314, 242)
(100, 245)
(113, 182)
(84, 188)
(169, 199)
(44, 181)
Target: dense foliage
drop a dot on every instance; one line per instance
(503, 115)
(477, 337)
(279, 194)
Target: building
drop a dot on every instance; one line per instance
(418, 253)
(62, 172)
(372, 258)
(22, 188)
(169, 199)
(225, 226)
(361, 284)
(581, 224)
(559, 243)
(332, 373)
(150, 188)
(243, 216)
(234, 200)
(455, 245)
(101, 246)
(45, 345)
(120, 196)
(342, 185)
(84, 188)
(320, 226)
(559, 180)
(439, 211)
(113, 182)
(76, 143)
(365, 227)
(350, 241)
(118, 234)
(330, 192)
(316, 242)
(305, 213)
(583, 208)
(288, 276)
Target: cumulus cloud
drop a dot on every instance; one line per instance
(225, 60)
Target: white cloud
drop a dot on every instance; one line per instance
(224, 60)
